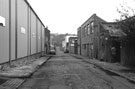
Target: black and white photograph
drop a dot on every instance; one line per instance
(67, 44)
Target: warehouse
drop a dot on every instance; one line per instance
(22, 33)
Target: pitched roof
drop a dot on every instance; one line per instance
(113, 30)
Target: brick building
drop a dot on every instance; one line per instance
(88, 37)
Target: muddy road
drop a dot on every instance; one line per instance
(63, 71)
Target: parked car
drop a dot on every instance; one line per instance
(52, 50)
(66, 51)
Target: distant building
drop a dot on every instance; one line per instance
(79, 40)
(73, 45)
(65, 42)
(47, 40)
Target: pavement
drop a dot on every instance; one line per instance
(24, 70)
(116, 68)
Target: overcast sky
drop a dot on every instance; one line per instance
(65, 16)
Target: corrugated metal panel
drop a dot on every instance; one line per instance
(43, 38)
(29, 31)
(22, 28)
(13, 29)
(33, 33)
(4, 31)
(39, 36)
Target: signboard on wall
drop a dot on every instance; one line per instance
(2, 21)
(23, 30)
(72, 44)
(33, 35)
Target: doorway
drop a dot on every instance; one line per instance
(115, 51)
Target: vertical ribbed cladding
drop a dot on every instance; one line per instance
(33, 34)
(28, 21)
(23, 32)
(16, 24)
(9, 31)
(37, 39)
(13, 29)
(30, 34)
(22, 28)
(4, 31)
(42, 42)
(36, 35)
(41, 38)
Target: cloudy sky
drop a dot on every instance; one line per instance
(65, 16)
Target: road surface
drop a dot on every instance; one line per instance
(63, 71)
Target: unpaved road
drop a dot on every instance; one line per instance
(66, 72)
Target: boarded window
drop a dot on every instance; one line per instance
(2, 21)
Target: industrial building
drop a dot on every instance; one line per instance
(73, 45)
(65, 42)
(88, 37)
(22, 33)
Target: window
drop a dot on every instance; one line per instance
(92, 27)
(73, 41)
(92, 46)
(88, 29)
(84, 46)
(2, 21)
(85, 30)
